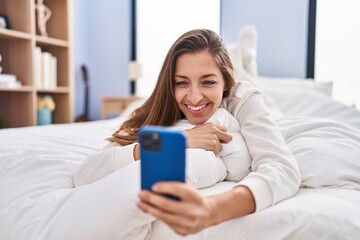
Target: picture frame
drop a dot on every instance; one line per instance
(4, 21)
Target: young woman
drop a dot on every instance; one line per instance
(196, 78)
(275, 173)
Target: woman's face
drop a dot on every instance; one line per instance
(199, 86)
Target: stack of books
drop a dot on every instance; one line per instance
(9, 80)
(45, 69)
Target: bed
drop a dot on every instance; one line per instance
(37, 164)
(38, 199)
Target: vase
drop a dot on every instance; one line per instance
(44, 116)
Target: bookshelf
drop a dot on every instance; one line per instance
(18, 105)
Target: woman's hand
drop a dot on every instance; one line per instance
(208, 136)
(190, 214)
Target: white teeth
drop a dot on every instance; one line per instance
(196, 108)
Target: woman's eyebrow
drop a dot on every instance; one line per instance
(181, 76)
(203, 76)
(209, 75)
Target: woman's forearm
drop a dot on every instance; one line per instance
(241, 200)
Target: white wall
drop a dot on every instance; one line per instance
(102, 41)
(80, 50)
(282, 33)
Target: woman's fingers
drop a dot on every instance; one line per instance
(222, 134)
(188, 215)
(208, 136)
(184, 192)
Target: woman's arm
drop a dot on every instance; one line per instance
(195, 212)
(275, 172)
(104, 162)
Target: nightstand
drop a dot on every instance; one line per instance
(113, 106)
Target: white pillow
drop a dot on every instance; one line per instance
(290, 96)
(284, 84)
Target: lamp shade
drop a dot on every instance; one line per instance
(134, 70)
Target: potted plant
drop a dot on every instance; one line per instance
(45, 107)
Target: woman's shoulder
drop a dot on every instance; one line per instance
(242, 91)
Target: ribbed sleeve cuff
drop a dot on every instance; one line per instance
(260, 190)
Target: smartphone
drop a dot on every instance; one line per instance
(162, 154)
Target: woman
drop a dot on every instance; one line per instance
(196, 78)
(275, 175)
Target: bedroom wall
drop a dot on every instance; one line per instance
(282, 33)
(101, 35)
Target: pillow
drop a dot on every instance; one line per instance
(295, 83)
(243, 54)
(286, 95)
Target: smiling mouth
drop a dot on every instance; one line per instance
(196, 108)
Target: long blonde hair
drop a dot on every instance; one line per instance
(161, 108)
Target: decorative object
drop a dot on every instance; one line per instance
(4, 22)
(85, 116)
(43, 15)
(8, 80)
(45, 107)
(134, 70)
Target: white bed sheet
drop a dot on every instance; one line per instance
(37, 163)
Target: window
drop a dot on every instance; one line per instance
(159, 24)
(337, 48)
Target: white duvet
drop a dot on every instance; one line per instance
(38, 200)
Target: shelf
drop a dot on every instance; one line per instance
(13, 34)
(56, 90)
(47, 41)
(17, 89)
(18, 105)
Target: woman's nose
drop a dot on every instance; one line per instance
(195, 95)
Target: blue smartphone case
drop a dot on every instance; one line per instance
(162, 154)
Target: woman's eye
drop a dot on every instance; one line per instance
(209, 83)
(181, 84)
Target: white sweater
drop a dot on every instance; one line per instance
(275, 173)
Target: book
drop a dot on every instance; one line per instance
(46, 71)
(38, 68)
(53, 72)
(9, 80)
